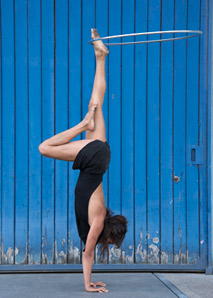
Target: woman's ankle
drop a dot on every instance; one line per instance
(100, 56)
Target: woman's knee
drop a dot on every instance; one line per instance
(42, 149)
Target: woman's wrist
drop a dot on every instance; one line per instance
(87, 287)
(87, 262)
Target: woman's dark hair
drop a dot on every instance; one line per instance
(115, 228)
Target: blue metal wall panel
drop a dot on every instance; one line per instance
(166, 131)
(47, 129)
(21, 132)
(179, 138)
(8, 133)
(35, 103)
(61, 124)
(192, 135)
(140, 112)
(75, 115)
(127, 131)
(155, 111)
(114, 101)
(152, 131)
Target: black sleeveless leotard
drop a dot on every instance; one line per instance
(92, 161)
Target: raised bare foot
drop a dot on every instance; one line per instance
(99, 47)
(89, 118)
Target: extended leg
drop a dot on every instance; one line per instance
(59, 147)
(99, 88)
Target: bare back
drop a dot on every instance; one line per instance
(96, 205)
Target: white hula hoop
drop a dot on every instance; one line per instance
(193, 32)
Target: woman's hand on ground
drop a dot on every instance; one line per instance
(94, 289)
(98, 283)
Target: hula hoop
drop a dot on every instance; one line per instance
(193, 32)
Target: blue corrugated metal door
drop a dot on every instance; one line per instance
(155, 111)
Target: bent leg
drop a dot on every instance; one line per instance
(59, 147)
(65, 152)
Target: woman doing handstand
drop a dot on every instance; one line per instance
(92, 155)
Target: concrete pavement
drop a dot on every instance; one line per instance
(120, 285)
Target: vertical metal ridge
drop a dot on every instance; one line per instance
(134, 256)
(108, 101)
(14, 33)
(121, 84)
(186, 85)
(81, 60)
(108, 117)
(81, 92)
(198, 166)
(199, 57)
(94, 63)
(41, 253)
(28, 136)
(160, 58)
(68, 71)
(209, 253)
(95, 13)
(147, 56)
(173, 96)
(94, 58)
(54, 59)
(1, 247)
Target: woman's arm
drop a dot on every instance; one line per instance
(88, 254)
(87, 262)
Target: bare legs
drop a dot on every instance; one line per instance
(59, 146)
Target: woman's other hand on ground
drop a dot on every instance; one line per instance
(97, 283)
(94, 289)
